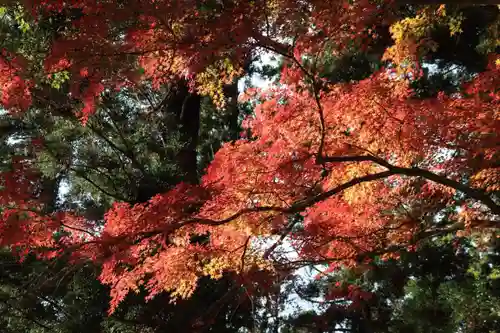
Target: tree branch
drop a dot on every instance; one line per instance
(473, 193)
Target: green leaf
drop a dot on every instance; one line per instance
(58, 79)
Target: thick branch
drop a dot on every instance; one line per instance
(418, 172)
(470, 192)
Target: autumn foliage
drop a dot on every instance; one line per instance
(342, 173)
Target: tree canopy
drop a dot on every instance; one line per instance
(371, 157)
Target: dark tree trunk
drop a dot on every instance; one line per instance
(186, 107)
(48, 193)
(231, 92)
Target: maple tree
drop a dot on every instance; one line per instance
(340, 172)
(97, 173)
